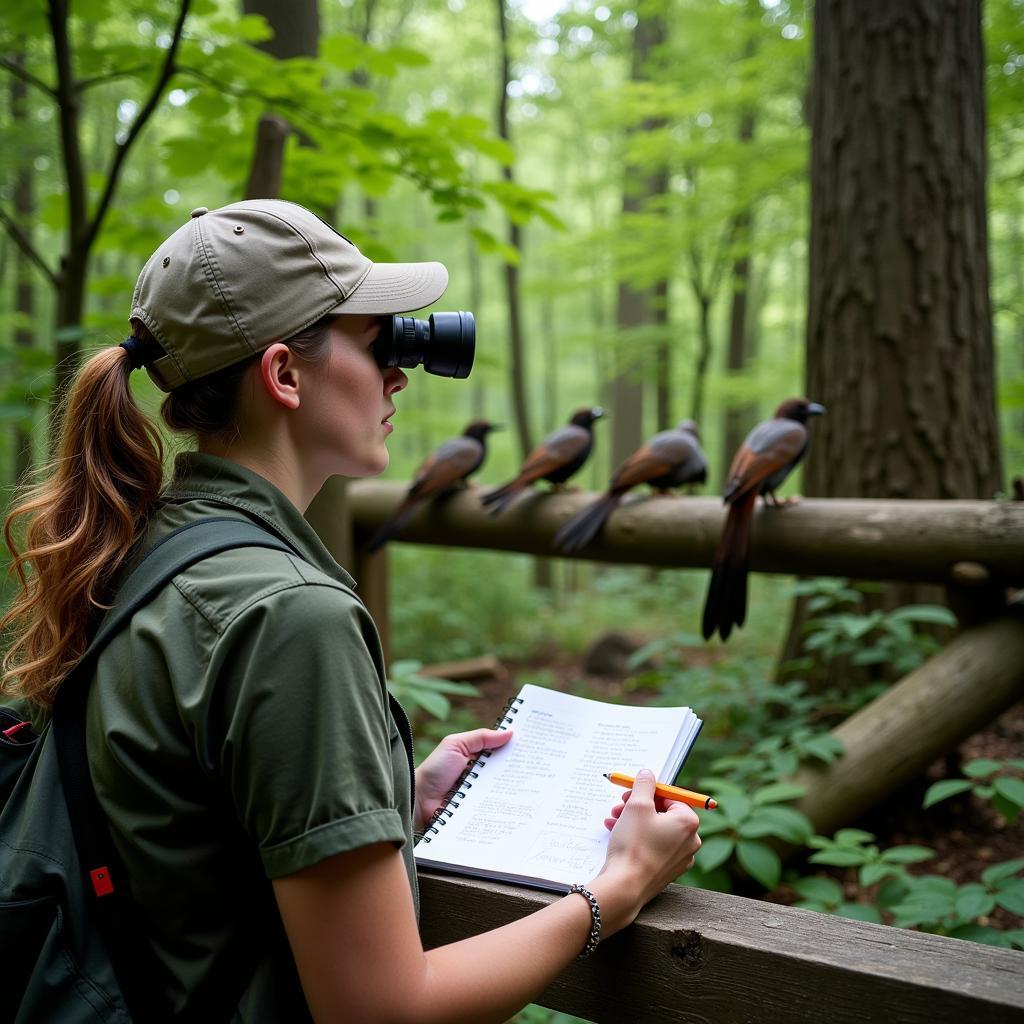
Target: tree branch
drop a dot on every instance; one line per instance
(23, 242)
(26, 76)
(111, 76)
(143, 116)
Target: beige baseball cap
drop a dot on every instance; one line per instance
(232, 281)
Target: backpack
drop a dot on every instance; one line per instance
(72, 944)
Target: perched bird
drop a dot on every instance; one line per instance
(767, 456)
(444, 470)
(669, 459)
(555, 459)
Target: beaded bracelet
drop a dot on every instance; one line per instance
(595, 920)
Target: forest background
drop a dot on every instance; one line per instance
(623, 196)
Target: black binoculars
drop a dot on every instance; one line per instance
(445, 344)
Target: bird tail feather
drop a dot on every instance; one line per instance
(496, 501)
(579, 531)
(401, 516)
(726, 602)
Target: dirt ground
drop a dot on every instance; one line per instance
(966, 833)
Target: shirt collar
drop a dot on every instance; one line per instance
(209, 477)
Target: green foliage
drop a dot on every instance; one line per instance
(839, 627)
(415, 691)
(998, 782)
(931, 903)
(738, 828)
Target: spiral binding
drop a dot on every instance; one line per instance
(457, 793)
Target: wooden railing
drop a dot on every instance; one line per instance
(710, 958)
(697, 956)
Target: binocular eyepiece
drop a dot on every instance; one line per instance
(445, 344)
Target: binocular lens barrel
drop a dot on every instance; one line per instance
(445, 344)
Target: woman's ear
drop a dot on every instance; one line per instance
(279, 372)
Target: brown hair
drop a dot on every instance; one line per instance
(93, 504)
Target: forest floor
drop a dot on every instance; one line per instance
(965, 832)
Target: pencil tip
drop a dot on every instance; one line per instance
(607, 774)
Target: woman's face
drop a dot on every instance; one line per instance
(347, 402)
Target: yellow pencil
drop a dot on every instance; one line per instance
(699, 800)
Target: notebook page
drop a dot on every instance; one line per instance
(537, 807)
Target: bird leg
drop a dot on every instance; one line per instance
(774, 502)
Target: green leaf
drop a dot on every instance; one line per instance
(860, 912)
(973, 901)
(786, 823)
(759, 861)
(1011, 789)
(999, 872)
(907, 854)
(891, 892)
(778, 792)
(1011, 897)
(734, 808)
(839, 857)
(981, 767)
(979, 933)
(714, 851)
(853, 836)
(931, 614)
(818, 887)
(944, 790)
(872, 874)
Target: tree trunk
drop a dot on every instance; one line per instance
(704, 341)
(296, 27)
(24, 295)
(517, 348)
(740, 417)
(899, 328)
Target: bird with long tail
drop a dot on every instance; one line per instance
(768, 455)
(669, 459)
(444, 470)
(560, 455)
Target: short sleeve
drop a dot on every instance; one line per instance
(300, 728)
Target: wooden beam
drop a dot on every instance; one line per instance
(969, 683)
(920, 541)
(695, 956)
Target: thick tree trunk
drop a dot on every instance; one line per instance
(899, 329)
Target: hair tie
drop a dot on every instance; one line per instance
(135, 349)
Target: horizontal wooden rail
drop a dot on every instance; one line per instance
(694, 956)
(918, 541)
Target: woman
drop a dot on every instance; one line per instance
(242, 742)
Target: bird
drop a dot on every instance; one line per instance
(555, 459)
(767, 456)
(669, 459)
(442, 471)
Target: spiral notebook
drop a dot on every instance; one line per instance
(532, 812)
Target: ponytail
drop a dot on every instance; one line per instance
(81, 523)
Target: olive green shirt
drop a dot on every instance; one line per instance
(239, 730)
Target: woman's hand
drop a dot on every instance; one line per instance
(653, 842)
(442, 767)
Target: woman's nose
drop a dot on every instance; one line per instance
(395, 379)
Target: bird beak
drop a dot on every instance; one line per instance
(814, 409)
(597, 412)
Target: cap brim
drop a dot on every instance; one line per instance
(396, 288)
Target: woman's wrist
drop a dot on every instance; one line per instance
(619, 899)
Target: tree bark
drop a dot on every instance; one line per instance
(899, 330)
(899, 326)
(24, 293)
(296, 27)
(517, 347)
(636, 307)
(740, 417)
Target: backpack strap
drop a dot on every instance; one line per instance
(114, 912)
